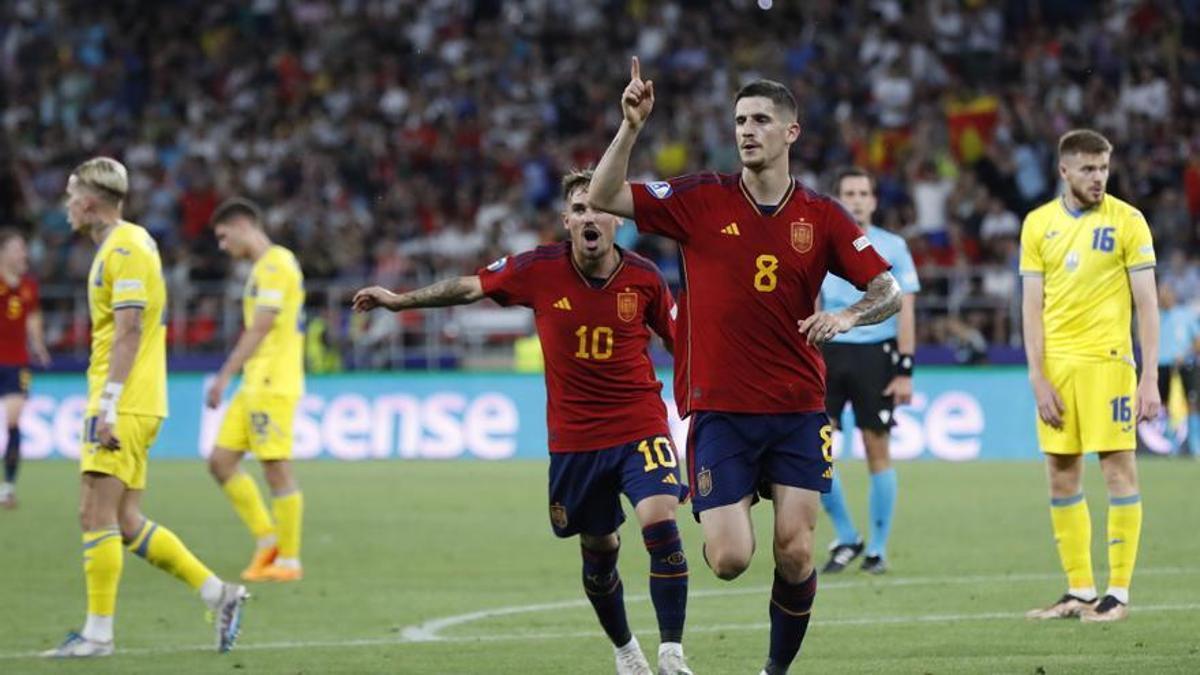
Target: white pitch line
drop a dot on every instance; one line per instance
(429, 630)
(413, 636)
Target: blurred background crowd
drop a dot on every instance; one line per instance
(396, 141)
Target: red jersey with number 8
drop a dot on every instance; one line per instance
(601, 389)
(750, 276)
(16, 304)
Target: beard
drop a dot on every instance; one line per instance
(1084, 197)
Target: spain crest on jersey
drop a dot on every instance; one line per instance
(627, 306)
(802, 236)
(704, 483)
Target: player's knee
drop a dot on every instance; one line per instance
(794, 553)
(727, 564)
(220, 467)
(130, 524)
(279, 477)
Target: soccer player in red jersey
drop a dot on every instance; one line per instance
(595, 306)
(756, 246)
(20, 334)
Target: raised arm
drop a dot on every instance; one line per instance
(881, 300)
(1145, 301)
(609, 190)
(445, 293)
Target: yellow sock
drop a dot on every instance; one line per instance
(289, 511)
(1073, 535)
(1124, 531)
(248, 502)
(161, 548)
(102, 563)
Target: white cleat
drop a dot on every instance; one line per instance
(227, 617)
(671, 661)
(631, 660)
(75, 646)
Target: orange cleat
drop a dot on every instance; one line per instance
(281, 574)
(260, 563)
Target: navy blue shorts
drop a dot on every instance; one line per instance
(14, 380)
(731, 455)
(586, 487)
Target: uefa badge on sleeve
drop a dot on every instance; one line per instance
(627, 306)
(802, 236)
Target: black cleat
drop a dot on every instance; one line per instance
(841, 555)
(874, 564)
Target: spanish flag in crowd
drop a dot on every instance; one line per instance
(972, 123)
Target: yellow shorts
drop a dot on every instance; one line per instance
(1101, 408)
(136, 434)
(259, 423)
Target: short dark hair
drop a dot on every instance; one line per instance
(851, 172)
(7, 233)
(1083, 141)
(237, 206)
(779, 94)
(574, 180)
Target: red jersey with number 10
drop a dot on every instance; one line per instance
(601, 389)
(749, 277)
(16, 304)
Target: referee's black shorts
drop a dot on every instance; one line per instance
(858, 373)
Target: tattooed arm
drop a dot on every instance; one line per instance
(881, 300)
(455, 291)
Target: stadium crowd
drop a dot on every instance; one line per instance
(393, 141)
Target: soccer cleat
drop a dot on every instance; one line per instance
(631, 660)
(671, 661)
(75, 646)
(874, 564)
(841, 555)
(8, 496)
(1108, 609)
(263, 557)
(227, 615)
(277, 573)
(1067, 607)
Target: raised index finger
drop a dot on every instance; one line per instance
(635, 69)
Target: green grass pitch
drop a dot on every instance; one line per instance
(415, 567)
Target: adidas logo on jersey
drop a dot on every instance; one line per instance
(670, 479)
(563, 303)
(731, 228)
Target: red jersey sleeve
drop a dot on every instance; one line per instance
(505, 282)
(851, 255)
(669, 207)
(34, 296)
(661, 316)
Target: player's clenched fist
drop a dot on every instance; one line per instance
(375, 296)
(638, 98)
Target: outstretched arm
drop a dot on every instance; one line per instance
(609, 190)
(881, 300)
(455, 291)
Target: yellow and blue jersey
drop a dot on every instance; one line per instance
(127, 272)
(276, 283)
(1084, 260)
(838, 294)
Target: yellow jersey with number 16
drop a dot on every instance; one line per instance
(1084, 260)
(276, 284)
(126, 273)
